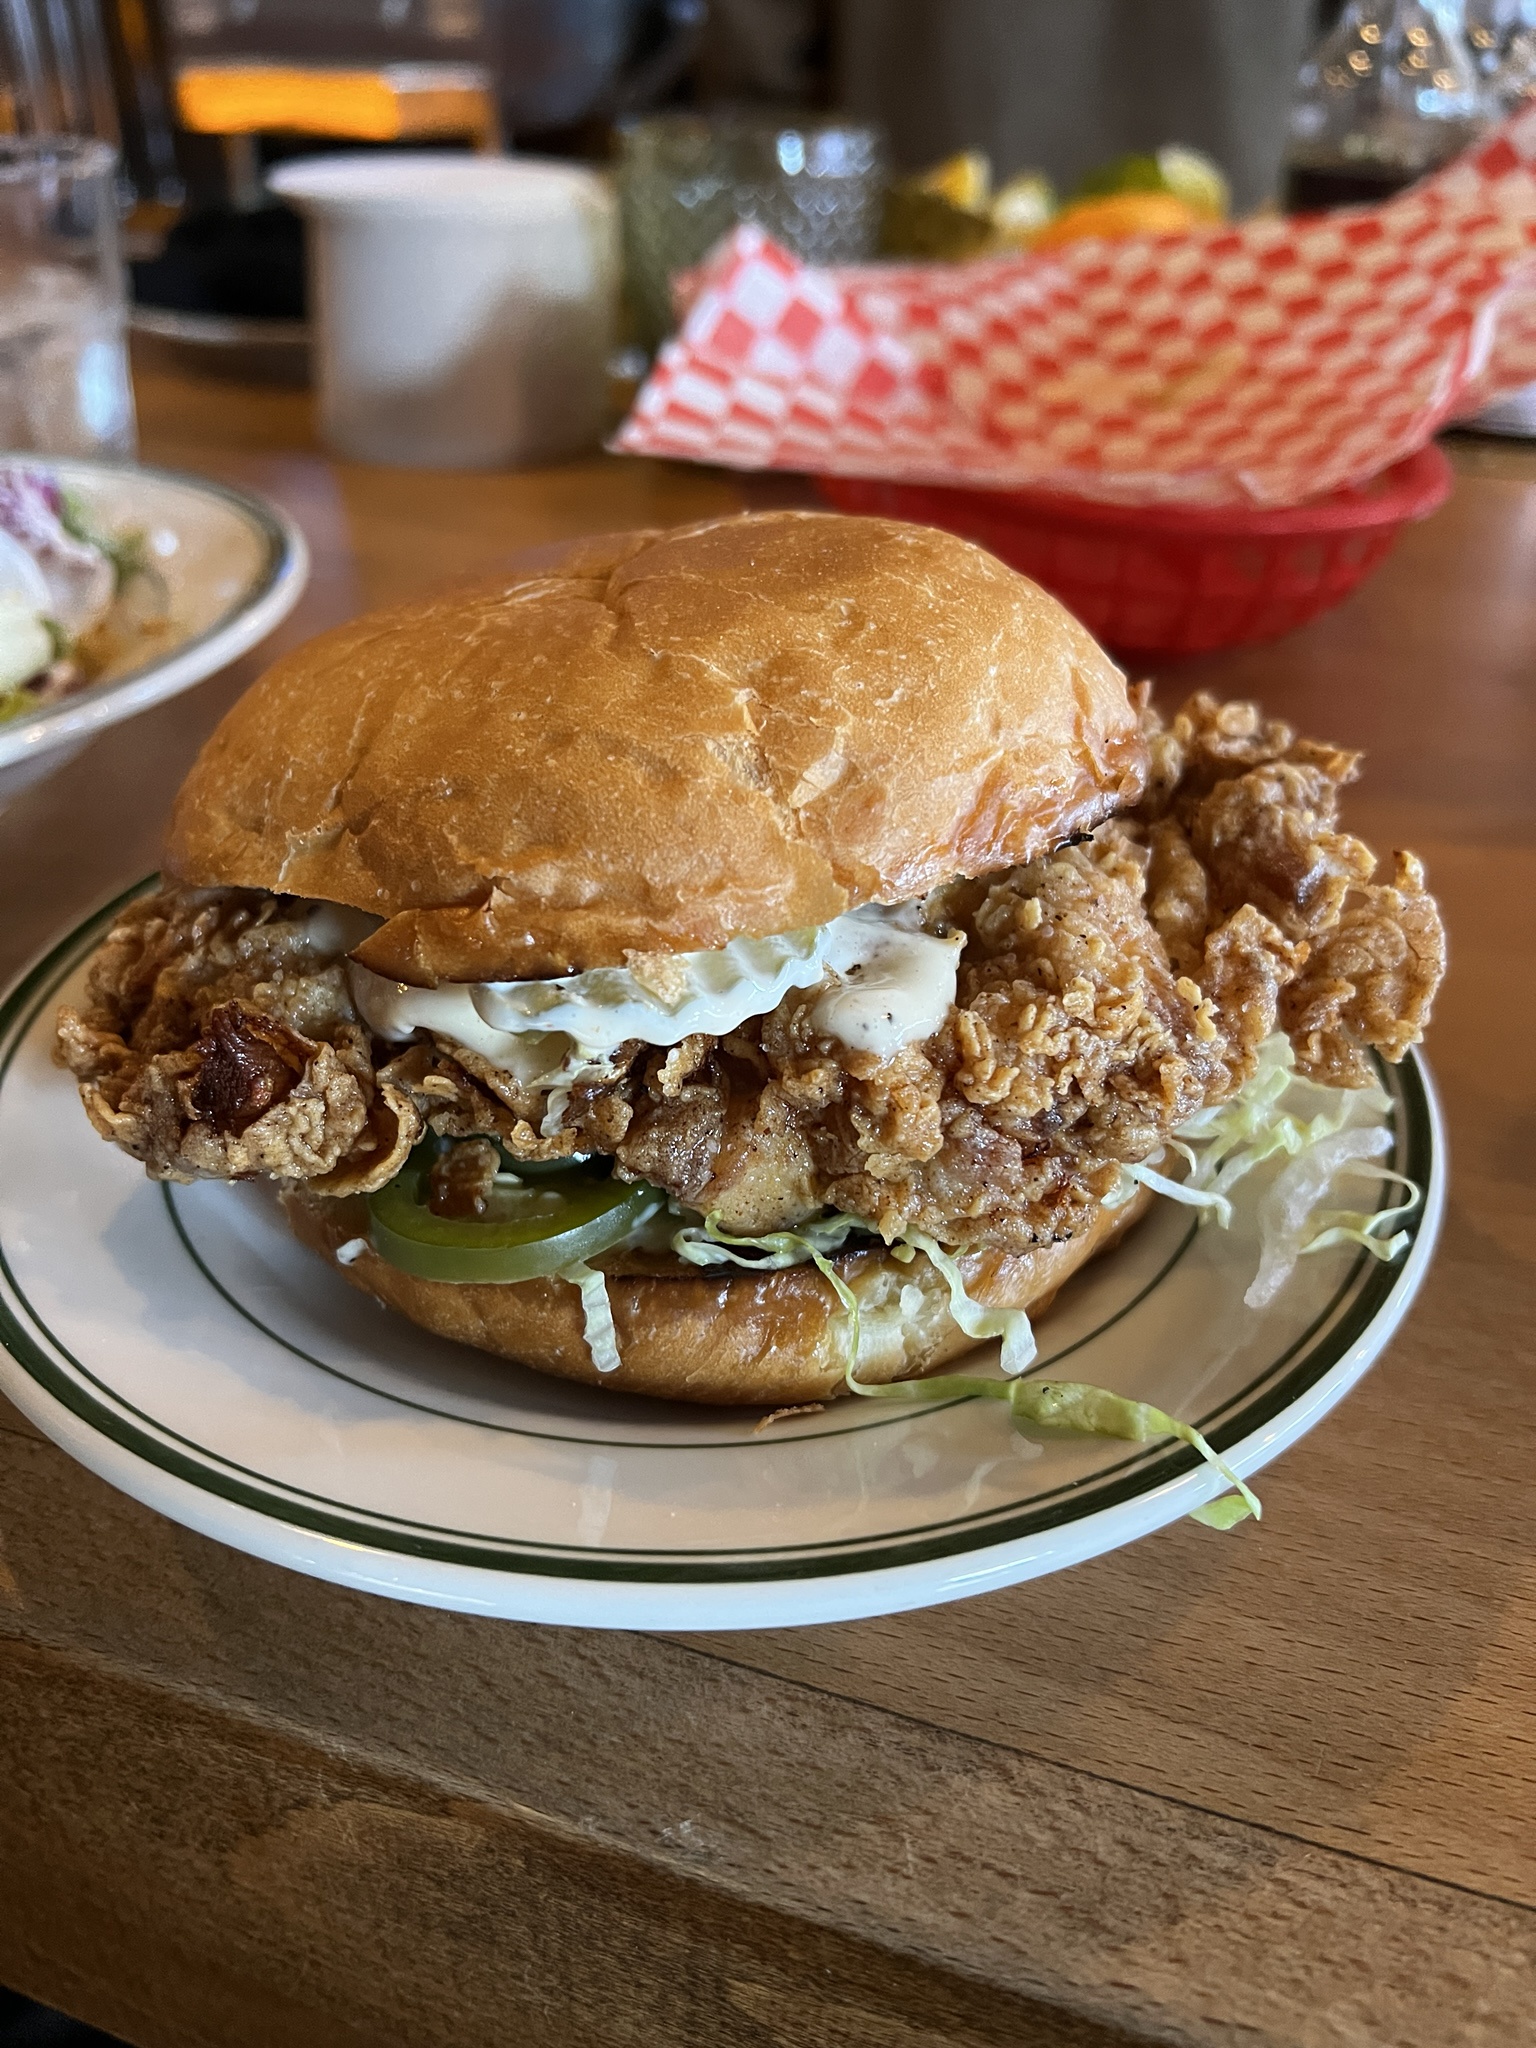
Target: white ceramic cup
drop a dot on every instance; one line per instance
(464, 305)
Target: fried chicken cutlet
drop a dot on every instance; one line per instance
(1104, 993)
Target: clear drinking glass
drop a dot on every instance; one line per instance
(685, 180)
(54, 74)
(64, 385)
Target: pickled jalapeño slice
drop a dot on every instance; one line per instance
(532, 1226)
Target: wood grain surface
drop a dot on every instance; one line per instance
(1274, 1790)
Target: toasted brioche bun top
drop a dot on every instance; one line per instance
(668, 741)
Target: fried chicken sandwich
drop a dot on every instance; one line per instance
(640, 967)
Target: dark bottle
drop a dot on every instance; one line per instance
(1390, 94)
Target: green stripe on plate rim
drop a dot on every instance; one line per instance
(1360, 1297)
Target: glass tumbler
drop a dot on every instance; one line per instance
(686, 179)
(54, 75)
(64, 387)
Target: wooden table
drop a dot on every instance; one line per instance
(1274, 1788)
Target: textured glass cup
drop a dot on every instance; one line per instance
(64, 386)
(686, 180)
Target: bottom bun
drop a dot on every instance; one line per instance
(722, 1335)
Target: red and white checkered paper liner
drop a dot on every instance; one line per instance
(1263, 363)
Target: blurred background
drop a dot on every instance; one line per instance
(936, 128)
(1030, 82)
(206, 97)
(471, 225)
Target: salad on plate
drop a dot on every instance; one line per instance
(70, 595)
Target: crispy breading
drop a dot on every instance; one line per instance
(1103, 995)
(218, 1039)
(1370, 956)
(1207, 742)
(1074, 1048)
(1369, 980)
(463, 1177)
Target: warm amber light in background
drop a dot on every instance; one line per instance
(394, 104)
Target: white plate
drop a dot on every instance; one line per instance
(182, 1345)
(234, 566)
(220, 344)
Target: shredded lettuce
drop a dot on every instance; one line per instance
(1291, 1223)
(846, 1296)
(1365, 1227)
(596, 1313)
(1086, 1411)
(1186, 1191)
(974, 1317)
(1321, 1131)
(706, 1244)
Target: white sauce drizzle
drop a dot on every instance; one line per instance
(894, 983)
(889, 984)
(714, 993)
(548, 1060)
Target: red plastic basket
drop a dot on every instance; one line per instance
(1160, 579)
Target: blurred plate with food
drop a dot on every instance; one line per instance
(120, 586)
(222, 344)
(953, 210)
